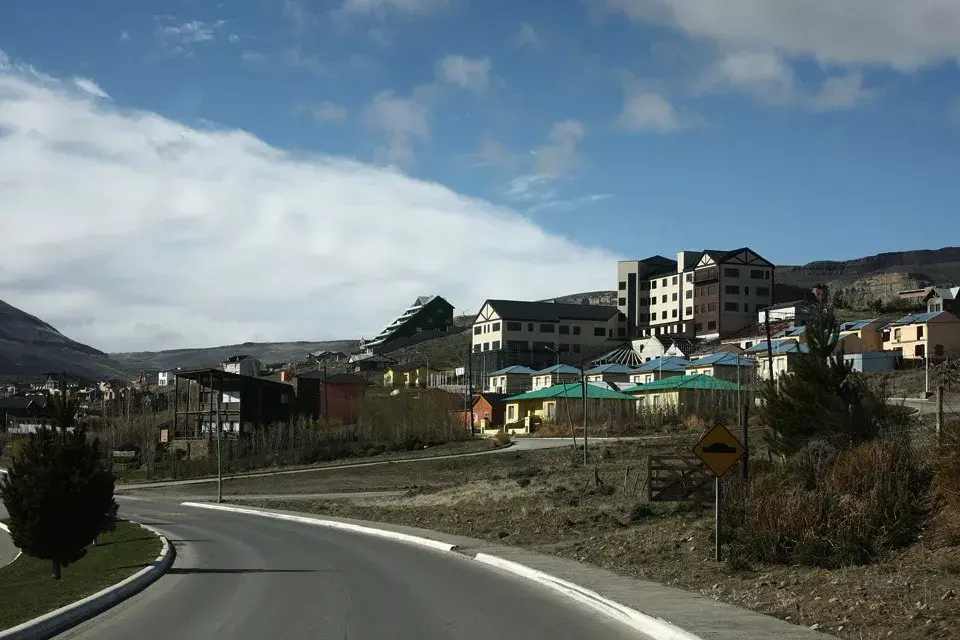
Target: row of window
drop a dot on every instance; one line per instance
(562, 329)
(518, 346)
(734, 290)
(645, 302)
(729, 272)
(755, 274)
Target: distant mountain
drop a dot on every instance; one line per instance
(30, 347)
(266, 352)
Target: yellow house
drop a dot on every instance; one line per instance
(685, 392)
(545, 404)
(862, 336)
(726, 366)
(557, 374)
(935, 334)
(609, 373)
(411, 375)
(511, 380)
(783, 356)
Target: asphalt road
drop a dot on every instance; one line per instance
(246, 578)
(8, 552)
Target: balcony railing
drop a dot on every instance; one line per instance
(706, 275)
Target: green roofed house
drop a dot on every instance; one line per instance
(542, 404)
(690, 393)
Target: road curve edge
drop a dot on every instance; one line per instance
(648, 625)
(5, 528)
(436, 545)
(62, 619)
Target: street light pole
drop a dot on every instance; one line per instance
(557, 369)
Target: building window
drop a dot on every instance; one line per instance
(477, 348)
(622, 302)
(496, 345)
(731, 290)
(653, 316)
(711, 307)
(599, 332)
(674, 297)
(576, 330)
(688, 311)
(675, 279)
(564, 330)
(689, 277)
(756, 274)
(712, 290)
(477, 331)
(664, 283)
(746, 291)
(712, 325)
(730, 272)
(674, 315)
(644, 286)
(511, 412)
(731, 306)
(766, 275)
(529, 326)
(937, 351)
(644, 317)
(514, 326)
(576, 349)
(653, 284)
(517, 345)
(546, 328)
(917, 351)
(622, 286)
(896, 335)
(689, 294)
(486, 346)
(496, 327)
(697, 328)
(920, 333)
(763, 291)
(663, 298)
(564, 348)
(746, 307)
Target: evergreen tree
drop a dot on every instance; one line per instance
(822, 397)
(58, 492)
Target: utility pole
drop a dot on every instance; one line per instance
(926, 375)
(326, 411)
(583, 391)
(470, 387)
(766, 323)
(219, 467)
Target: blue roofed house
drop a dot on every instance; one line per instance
(785, 353)
(659, 368)
(726, 366)
(511, 380)
(933, 334)
(609, 373)
(557, 374)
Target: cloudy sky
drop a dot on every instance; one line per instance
(192, 172)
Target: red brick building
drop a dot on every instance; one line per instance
(335, 397)
(489, 410)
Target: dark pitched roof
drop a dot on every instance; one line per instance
(492, 398)
(239, 358)
(549, 311)
(684, 344)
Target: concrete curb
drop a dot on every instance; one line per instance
(19, 553)
(436, 545)
(645, 624)
(54, 622)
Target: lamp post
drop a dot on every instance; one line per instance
(557, 354)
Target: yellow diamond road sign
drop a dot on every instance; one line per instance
(719, 449)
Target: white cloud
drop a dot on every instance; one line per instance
(380, 7)
(572, 204)
(326, 111)
(769, 77)
(162, 235)
(528, 37)
(402, 121)
(645, 110)
(91, 87)
(901, 34)
(124, 35)
(180, 38)
(473, 74)
(560, 155)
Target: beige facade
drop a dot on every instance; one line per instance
(862, 337)
(934, 334)
(510, 383)
(564, 328)
(701, 293)
(550, 379)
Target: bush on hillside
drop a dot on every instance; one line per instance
(829, 507)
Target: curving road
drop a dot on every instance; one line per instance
(246, 578)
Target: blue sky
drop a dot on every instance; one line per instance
(627, 127)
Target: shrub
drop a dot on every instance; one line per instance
(641, 511)
(502, 438)
(946, 482)
(828, 507)
(525, 472)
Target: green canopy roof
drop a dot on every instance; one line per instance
(700, 381)
(571, 390)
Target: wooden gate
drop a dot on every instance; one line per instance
(678, 479)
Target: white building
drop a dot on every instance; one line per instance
(242, 365)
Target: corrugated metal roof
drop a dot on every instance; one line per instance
(855, 325)
(916, 318)
(700, 381)
(571, 390)
(670, 363)
(611, 368)
(549, 311)
(622, 355)
(516, 369)
(722, 359)
(559, 369)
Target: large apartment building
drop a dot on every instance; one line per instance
(701, 294)
(536, 334)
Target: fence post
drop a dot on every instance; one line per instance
(939, 414)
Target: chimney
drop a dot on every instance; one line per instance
(681, 265)
(283, 375)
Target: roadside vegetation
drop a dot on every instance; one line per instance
(26, 590)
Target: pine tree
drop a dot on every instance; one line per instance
(822, 397)
(58, 493)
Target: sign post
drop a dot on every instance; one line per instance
(720, 451)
